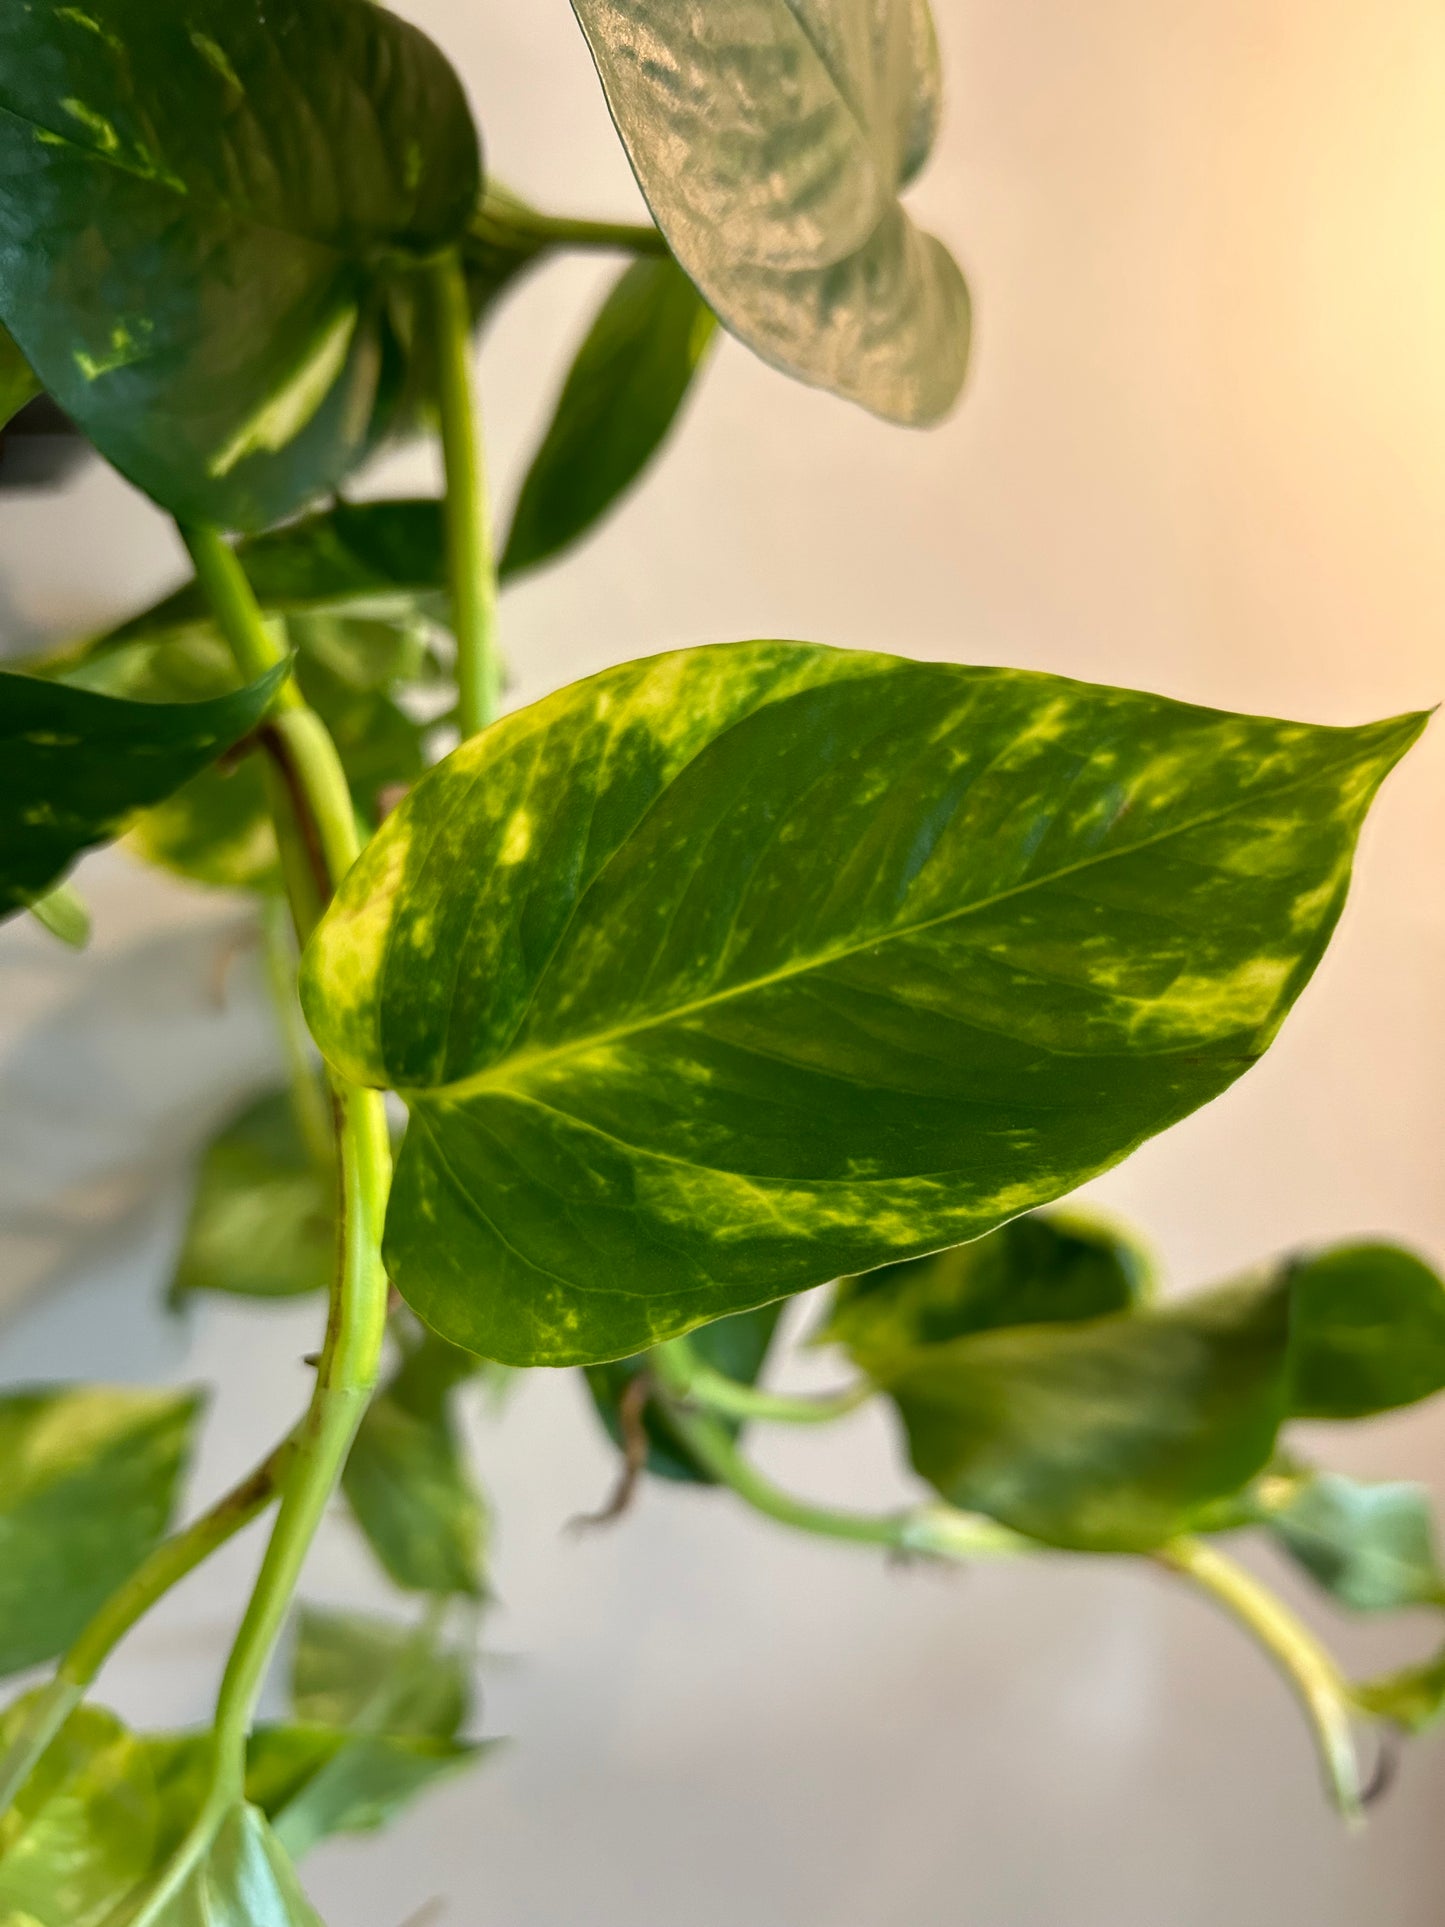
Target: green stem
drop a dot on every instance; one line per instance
(502, 216)
(936, 1531)
(356, 1326)
(713, 1389)
(471, 565)
(308, 1098)
(166, 1566)
(1308, 1669)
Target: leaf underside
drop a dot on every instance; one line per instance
(728, 972)
(771, 139)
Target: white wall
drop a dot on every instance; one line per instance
(1203, 451)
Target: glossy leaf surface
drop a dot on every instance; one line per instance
(737, 1347)
(771, 139)
(263, 1218)
(407, 1480)
(81, 1834)
(1371, 1546)
(88, 1482)
(245, 1879)
(1106, 1436)
(74, 766)
(1043, 1268)
(205, 209)
(729, 972)
(1369, 1331)
(621, 397)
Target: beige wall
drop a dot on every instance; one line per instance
(1203, 451)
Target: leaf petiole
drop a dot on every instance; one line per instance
(703, 1385)
(471, 563)
(1309, 1670)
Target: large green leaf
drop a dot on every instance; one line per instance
(217, 827)
(17, 379)
(88, 1480)
(1043, 1268)
(725, 973)
(1106, 1436)
(408, 1482)
(771, 139)
(1369, 1331)
(737, 1347)
(263, 1219)
(206, 207)
(621, 396)
(74, 765)
(1371, 1546)
(81, 1833)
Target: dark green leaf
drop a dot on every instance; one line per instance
(263, 1220)
(1371, 1546)
(1369, 1331)
(737, 1347)
(216, 829)
(407, 1479)
(771, 138)
(88, 1479)
(621, 397)
(207, 208)
(1044, 1268)
(726, 973)
(352, 1669)
(81, 1833)
(17, 379)
(1105, 1436)
(75, 765)
(1413, 1698)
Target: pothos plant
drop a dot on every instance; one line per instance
(710, 979)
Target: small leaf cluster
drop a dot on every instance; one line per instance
(717, 977)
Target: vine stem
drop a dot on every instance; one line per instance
(471, 564)
(934, 1531)
(1307, 1668)
(166, 1566)
(718, 1393)
(308, 1098)
(313, 804)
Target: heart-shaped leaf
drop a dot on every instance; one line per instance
(1048, 1267)
(74, 766)
(728, 972)
(81, 1833)
(1371, 1546)
(1369, 1331)
(263, 1220)
(1107, 1436)
(205, 209)
(88, 1481)
(771, 139)
(621, 397)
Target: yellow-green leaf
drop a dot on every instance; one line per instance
(731, 971)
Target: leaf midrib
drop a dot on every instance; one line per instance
(507, 1070)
